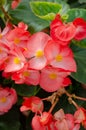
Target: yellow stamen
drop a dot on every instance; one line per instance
(59, 58)
(52, 76)
(0, 36)
(26, 73)
(3, 99)
(17, 60)
(39, 53)
(16, 40)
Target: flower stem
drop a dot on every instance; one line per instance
(5, 13)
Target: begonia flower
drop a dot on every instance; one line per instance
(80, 25)
(8, 98)
(60, 56)
(36, 45)
(27, 76)
(32, 103)
(60, 32)
(80, 116)
(52, 79)
(15, 61)
(43, 122)
(65, 121)
(18, 36)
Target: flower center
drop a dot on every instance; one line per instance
(16, 40)
(52, 76)
(3, 99)
(26, 73)
(39, 53)
(0, 36)
(59, 58)
(17, 60)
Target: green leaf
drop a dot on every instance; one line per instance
(81, 43)
(24, 13)
(45, 10)
(65, 6)
(25, 90)
(10, 120)
(80, 57)
(74, 13)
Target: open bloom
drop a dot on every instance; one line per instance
(60, 56)
(18, 36)
(35, 46)
(15, 61)
(26, 75)
(8, 98)
(32, 103)
(52, 79)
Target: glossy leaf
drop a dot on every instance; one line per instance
(45, 10)
(65, 6)
(24, 13)
(81, 43)
(74, 13)
(25, 90)
(80, 57)
(10, 120)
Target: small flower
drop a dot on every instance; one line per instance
(80, 116)
(80, 25)
(8, 98)
(33, 103)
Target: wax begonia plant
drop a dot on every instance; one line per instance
(42, 65)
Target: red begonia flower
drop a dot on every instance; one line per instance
(80, 25)
(33, 103)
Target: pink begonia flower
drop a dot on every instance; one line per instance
(36, 45)
(4, 33)
(52, 79)
(15, 3)
(80, 116)
(3, 55)
(60, 56)
(80, 25)
(43, 122)
(8, 98)
(26, 75)
(15, 61)
(32, 103)
(18, 36)
(65, 121)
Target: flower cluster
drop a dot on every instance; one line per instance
(40, 58)
(8, 97)
(45, 120)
